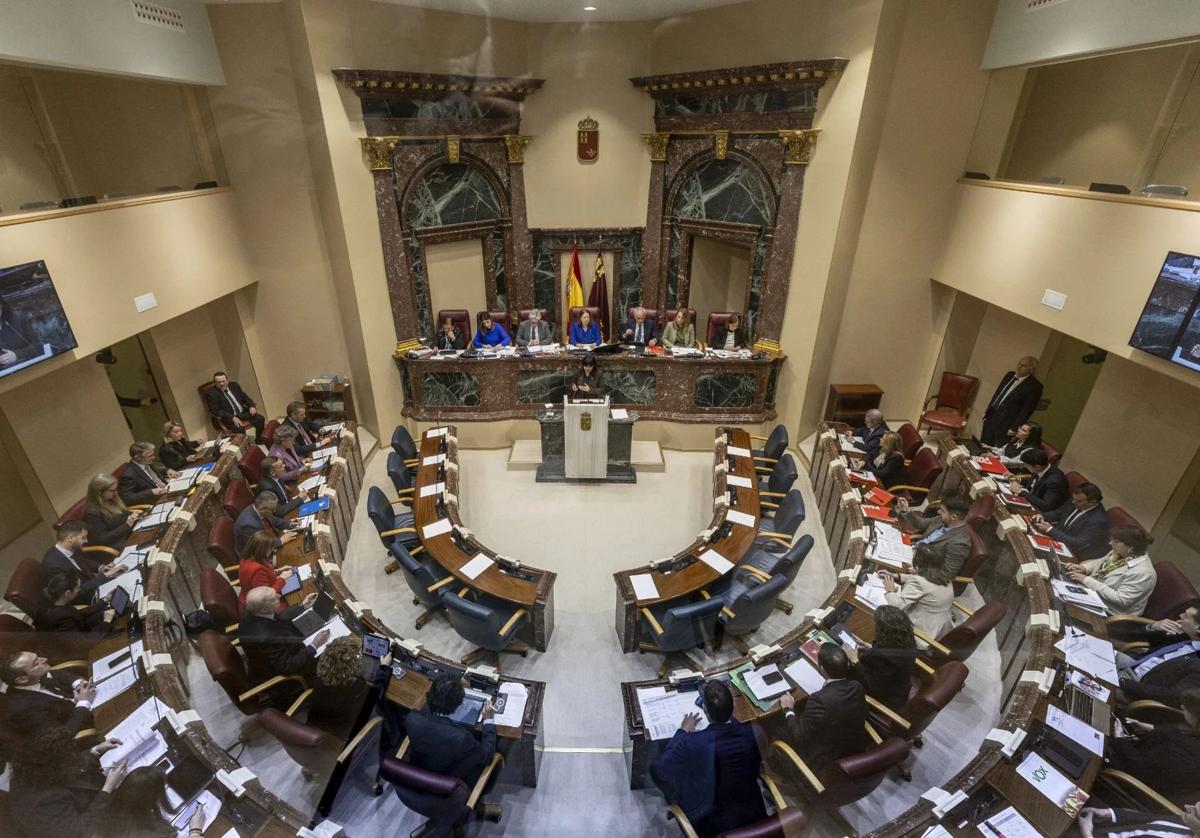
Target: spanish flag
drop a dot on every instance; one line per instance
(574, 288)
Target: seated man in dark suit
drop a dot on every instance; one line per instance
(639, 329)
(868, 438)
(438, 744)
(712, 774)
(272, 481)
(1049, 488)
(143, 480)
(1169, 666)
(274, 646)
(70, 538)
(945, 533)
(1081, 523)
(534, 331)
(448, 337)
(261, 515)
(308, 436)
(228, 401)
(833, 724)
(38, 698)
(1166, 757)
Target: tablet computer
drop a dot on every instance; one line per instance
(375, 645)
(291, 584)
(120, 601)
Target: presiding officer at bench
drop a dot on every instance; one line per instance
(490, 333)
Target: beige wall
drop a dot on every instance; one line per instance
(69, 427)
(1093, 120)
(1003, 339)
(18, 512)
(720, 275)
(187, 351)
(455, 271)
(25, 174)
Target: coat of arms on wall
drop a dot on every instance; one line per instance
(587, 141)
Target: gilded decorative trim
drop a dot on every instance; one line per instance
(378, 151)
(799, 146)
(515, 144)
(761, 76)
(453, 148)
(658, 145)
(721, 144)
(396, 84)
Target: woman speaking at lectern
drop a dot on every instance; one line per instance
(586, 383)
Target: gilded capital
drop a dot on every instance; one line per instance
(721, 144)
(799, 146)
(453, 148)
(379, 152)
(515, 143)
(658, 145)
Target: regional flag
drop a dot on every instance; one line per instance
(598, 297)
(574, 288)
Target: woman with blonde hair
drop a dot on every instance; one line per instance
(679, 332)
(108, 520)
(285, 449)
(888, 465)
(177, 451)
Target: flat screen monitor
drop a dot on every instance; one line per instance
(1170, 323)
(33, 325)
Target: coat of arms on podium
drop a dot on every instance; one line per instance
(587, 141)
(585, 421)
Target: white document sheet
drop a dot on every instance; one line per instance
(324, 453)
(662, 711)
(432, 432)
(872, 593)
(152, 519)
(311, 484)
(735, 451)
(1076, 730)
(129, 580)
(432, 489)
(740, 518)
(514, 707)
(1049, 781)
(179, 484)
(133, 557)
(804, 675)
(643, 586)
(114, 685)
(476, 566)
(337, 629)
(135, 732)
(1093, 655)
(761, 689)
(618, 413)
(1009, 824)
(742, 482)
(716, 561)
(891, 552)
(433, 459)
(1079, 595)
(304, 571)
(212, 808)
(115, 662)
(436, 528)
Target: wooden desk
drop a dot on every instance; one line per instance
(527, 587)
(694, 575)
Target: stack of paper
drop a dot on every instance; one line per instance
(1009, 824)
(1091, 654)
(141, 744)
(115, 662)
(1075, 730)
(643, 586)
(663, 710)
(130, 580)
(1079, 596)
(337, 628)
(871, 592)
(804, 675)
(1049, 781)
(439, 527)
(740, 518)
(735, 451)
(756, 681)
(516, 696)
(619, 413)
(114, 685)
(154, 517)
(888, 550)
(433, 459)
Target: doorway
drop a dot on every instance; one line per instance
(135, 388)
(720, 275)
(1067, 383)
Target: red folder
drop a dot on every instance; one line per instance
(991, 465)
(879, 497)
(879, 513)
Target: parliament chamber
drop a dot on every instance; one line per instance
(735, 418)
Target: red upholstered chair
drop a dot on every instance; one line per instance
(228, 668)
(443, 798)
(979, 516)
(910, 441)
(964, 638)
(922, 472)
(844, 780)
(924, 705)
(23, 586)
(237, 425)
(268, 435)
(237, 497)
(1172, 593)
(1053, 453)
(651, 313)
(16, 635)
(314, 750)
(461, 319)
(523, 314)
(573, 316)
(219, 599)
(500, 317)
(220, 545)
(787, 822)
(251, 464)
(73, 514)
(1118, 517)
(669, 315)
(119, 470)
(716, 320)
(1075, 480)
(975, 560)
(952, 403)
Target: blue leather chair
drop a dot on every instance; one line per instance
(390, 525)
(766, 565)
(780, 480)
(773, 445)
(425, 578)
(776, 533)
(401, 476)
(489, 623)
(744, 613)
(402, 444)
(673, 627)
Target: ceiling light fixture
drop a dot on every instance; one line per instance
(589, 8)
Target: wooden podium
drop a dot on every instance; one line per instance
(585, 430)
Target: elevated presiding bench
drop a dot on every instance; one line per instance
(702, 390)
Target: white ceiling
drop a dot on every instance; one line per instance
(558, 11)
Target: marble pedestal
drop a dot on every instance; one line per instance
(620, 444)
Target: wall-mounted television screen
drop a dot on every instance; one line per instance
(1170, 323)
(33, 325)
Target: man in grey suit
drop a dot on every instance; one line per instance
(946, 533)
(534, 331)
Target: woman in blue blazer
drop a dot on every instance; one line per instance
(584, 330)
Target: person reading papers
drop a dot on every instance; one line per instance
(1125, 577)
(274, 646)
(534, 331)
(639, 329)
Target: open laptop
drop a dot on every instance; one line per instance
(310, 620)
